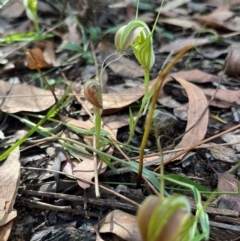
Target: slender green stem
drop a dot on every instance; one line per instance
(158, 15)
(146, 82)
(145, 100)
(97, 123)
(36, 26)
(97, 119)
(137, 9)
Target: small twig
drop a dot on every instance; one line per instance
(157, 87)
(85, 181)
(93, 201)
(151, 186)
(41, 74)
(66, 209)
(198, 144)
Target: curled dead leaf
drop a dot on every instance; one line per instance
(9, 175)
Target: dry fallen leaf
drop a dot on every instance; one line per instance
(13, 10)
(85, 169)
(181, 112)
(112, 103)
(20, 97)
(73, 35)
(42, 56)
(171, 5)
(177, 45)
(232, 62)
(9, 176)
(168, 101)
(212, 53)
(114, 122)
(221, 18)
(228, 183)
(198, 109)
(228, 96)
(196, 76)
(231, 137)
(122, 224)
(217, 3)
(183, 23)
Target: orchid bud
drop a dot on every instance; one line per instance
(137, 35)
(93, 93)
(165, 219)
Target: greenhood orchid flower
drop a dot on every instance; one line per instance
(169, 219)
(31, 11)
(93, 93)
(137, 35)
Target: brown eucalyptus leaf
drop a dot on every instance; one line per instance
(228, 183)
(227, 96)
(232, 62)
(9, 176)
(177, 45)
(85, 169)
(196, 76)
(42, 56)
(13, 10)
(198, 109)
(211, 53)
(19, 97)
(117, 101)
(183, 23)
(171, 5)
(221, 18)
(122, 224)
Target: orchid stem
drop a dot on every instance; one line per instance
(144, 104)
(96, 140)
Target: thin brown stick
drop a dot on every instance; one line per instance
(157, 87)
(198, 144)
(83, 180)
(94, 201)
(66, 209)
(42, 76)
